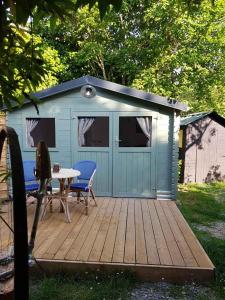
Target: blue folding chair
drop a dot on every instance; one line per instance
(84, 186)
(31, 183)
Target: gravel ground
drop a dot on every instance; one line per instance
(162, 291)
(216, 229)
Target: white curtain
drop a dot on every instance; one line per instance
(30, 125)
(83, 125)
(146, 126)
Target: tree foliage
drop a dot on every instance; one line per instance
(22, 61)
(172, 47)
(26, 64)
(163, 47)
(190, 64)
(107, 48)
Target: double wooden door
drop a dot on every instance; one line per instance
(124, 154)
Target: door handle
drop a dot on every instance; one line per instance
(117, 139)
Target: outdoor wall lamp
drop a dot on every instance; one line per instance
(88, 91)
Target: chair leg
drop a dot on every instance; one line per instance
(28, 196)
(46, 200)
(93, 196)
(50, 207)
(50, 204)
(78, 196)
(66, 210)
(86, 199)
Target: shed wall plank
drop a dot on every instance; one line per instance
(205, 154)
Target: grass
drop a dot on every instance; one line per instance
(200, 204)
(205, 204)
(88, 286)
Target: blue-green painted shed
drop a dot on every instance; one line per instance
(132, 135)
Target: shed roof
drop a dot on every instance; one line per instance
(108, 86)
(198, 116)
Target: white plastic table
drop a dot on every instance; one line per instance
(64, 174)
(65, 177)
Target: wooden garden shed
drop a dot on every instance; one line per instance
(202, 148)
(131, 134)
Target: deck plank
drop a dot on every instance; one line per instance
(50, 235)
(118, 253)
(164, 254)
(141, 254)
(67, 244)
(46, 232)
(175, 253)
(183, 246)
(152, 252)
(46, 225)
(80, 239)
(62, 235)
(101, 236)
(129, 253)
(88, 244)
(196, 248)
(108, 248)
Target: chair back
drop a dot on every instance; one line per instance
(29, 168)
(86, 167)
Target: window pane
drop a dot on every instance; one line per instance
(38, 129)
(135, 131)
(93, 131)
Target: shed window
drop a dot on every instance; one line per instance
(38, 129)
(93, 131)
(135, 131)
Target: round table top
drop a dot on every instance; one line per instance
(65, 173)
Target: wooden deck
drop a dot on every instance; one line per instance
(148, 237)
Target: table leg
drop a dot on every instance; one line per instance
(61, 186)
(69, 180)
(64, 194)
(48, 183)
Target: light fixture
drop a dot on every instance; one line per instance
(88, 91)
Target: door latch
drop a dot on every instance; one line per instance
(117, 139)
